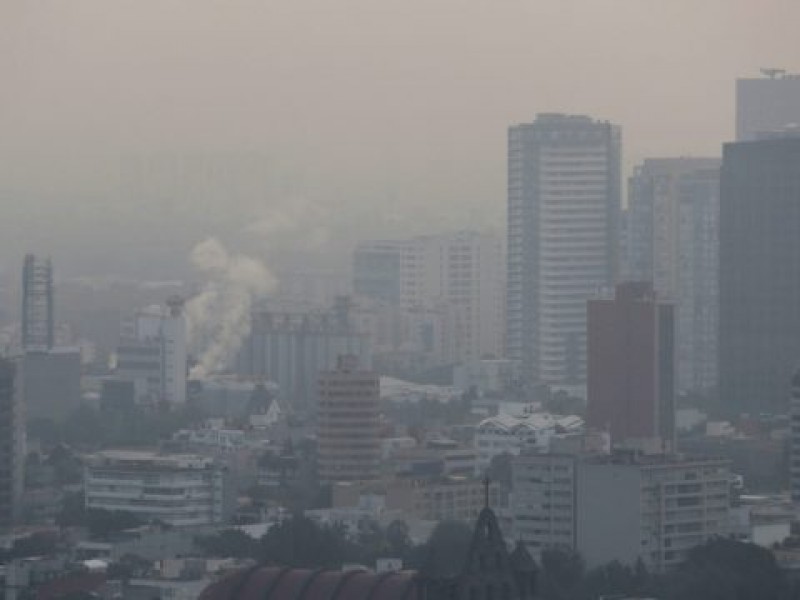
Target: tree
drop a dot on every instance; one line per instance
(300, 542)
(722, 569)
(231, 543)
(562, 572)
(445, 552)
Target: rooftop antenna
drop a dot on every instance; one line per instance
(773, 73)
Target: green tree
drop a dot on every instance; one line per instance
(445, 552)
(231, 543)
(562, 572)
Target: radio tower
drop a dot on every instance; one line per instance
(37, 304)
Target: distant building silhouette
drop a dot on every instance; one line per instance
(563, 219)
(794, 460)
(37, 304)
(12, 444)
(759, 336)
(766, 104)
(673, 240)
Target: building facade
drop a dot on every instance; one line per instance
(177, 489)
(759, 333)
(563, 221)
(631, 387)
(51, 382)
(348, 434)
(794, 457)
(673, 240)
(153, 354)
(766, 104)
(543, 500)
(458, 276)
(653, 508)
(37, 304)
(12, 445)
(291, 349)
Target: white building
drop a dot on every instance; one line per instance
(458, 276)
(653, 508)
(543, 501)
(510, 434)
(153, 353)
(178, 489)
(563, 213)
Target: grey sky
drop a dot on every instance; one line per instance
(393, 107)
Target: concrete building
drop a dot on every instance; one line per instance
(631, 390)
(673, 240)
(12, 445)
(51, 382)
(653, 508)
(514, 434)
(563, 221)
(543, 501)
(37, 304)
(178, 489)
(766, 104)
(794, 458)
(348, 435)
(291, 349)
(459, 275)
(153, 353)
(759, 334)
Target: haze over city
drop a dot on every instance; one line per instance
(399, 300)
(389, 114)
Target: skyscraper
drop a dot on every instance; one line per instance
(759, 335)
(766, 104)
(348, 423)
(563, 213)
(794, 459)
(37, 304)
(631, 389)
(12, 445)
(673, 240)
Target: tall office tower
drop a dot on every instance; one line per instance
(767, 104)
(153, 353)
(673, 240)
(348, 428)
(759, 320)
(563, 213)
(459, 274)
(12, 445)
(794, 462)
(631, 366)
(37, 304)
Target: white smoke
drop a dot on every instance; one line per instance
(219, 317)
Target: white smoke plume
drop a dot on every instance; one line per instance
(219, 317)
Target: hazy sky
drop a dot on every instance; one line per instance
(395, 110)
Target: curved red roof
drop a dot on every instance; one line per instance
(276, 583)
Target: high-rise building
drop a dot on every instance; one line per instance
(51, 382)
(794, 461)
(631, 389)
(12, 445)
(767, 104)
(654, 508)
(153, 353)
(759, 331)
(37, 304)
(348, 427)
(459, 275)
(673, 240)
(563, 213)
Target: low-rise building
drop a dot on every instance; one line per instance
(654, 508)
(177, 489)
(511, 434)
